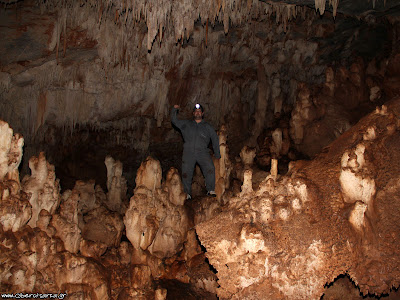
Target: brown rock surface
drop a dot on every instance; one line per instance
(91, 84)
(334, 215)
(156, 219)
(42, 187)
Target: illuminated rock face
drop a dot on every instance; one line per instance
(336, 214)
(156, 219)
(42, 186)
(10, 152)
(223, 166)
(83, 221)
(90, 79)
(15, 209)
(246, 78)
(283, 238)
(37, 263)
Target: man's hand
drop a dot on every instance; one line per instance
(176, 106)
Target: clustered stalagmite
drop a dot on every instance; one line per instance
(106, 73)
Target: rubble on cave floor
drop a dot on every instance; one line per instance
(282, 237)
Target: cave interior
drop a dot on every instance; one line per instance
(304, 96)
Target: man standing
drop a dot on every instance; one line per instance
(197, 134)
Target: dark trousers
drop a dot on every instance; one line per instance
(206, 164)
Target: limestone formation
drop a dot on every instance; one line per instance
(223, 166)
(316, 120)
(102, 226)
(149, 175)
(288, 238)
(88, 197)
(75, 236)
(79, 276)
(66, 221)
(33, 261)
(84, 224)
(11, 152)
(173, 186)
(247, 156)
(42, 186)
(156, 219)
(206, 208)
(116, 186)
(15, 209)
(304, 199)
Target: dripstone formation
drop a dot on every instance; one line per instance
(304, 96)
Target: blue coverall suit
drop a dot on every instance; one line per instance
(196, 138)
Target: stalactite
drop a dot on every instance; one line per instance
(334, 4)
(284, 13)
(158, 15)
(320, 5)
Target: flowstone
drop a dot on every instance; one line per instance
(337, 214)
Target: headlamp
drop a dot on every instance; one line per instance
(198, 106)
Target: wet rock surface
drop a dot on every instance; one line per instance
(305, 102)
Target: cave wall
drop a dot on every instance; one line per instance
(287, 236)
(90, 88)
(71, 81)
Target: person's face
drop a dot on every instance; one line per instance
(198, 114)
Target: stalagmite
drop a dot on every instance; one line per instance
(161, 294)
(174, 185)
(76, 274)
(141, 276)
(302, 112)
(88, 248)
(15, 209)
(116, 185)
(284, 82)
(278, 106)
(149, 174)
(153, 222)
(247, 186)
(223, 166)
(101, 225)
(10, 152)
(330, 81)
(290, 236)
(66, 222)
(192, 247)
(42, 186)
(274, 168)
(357, 215)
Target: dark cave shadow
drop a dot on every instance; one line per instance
(349, 281)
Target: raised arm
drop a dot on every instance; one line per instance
(174, 119)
